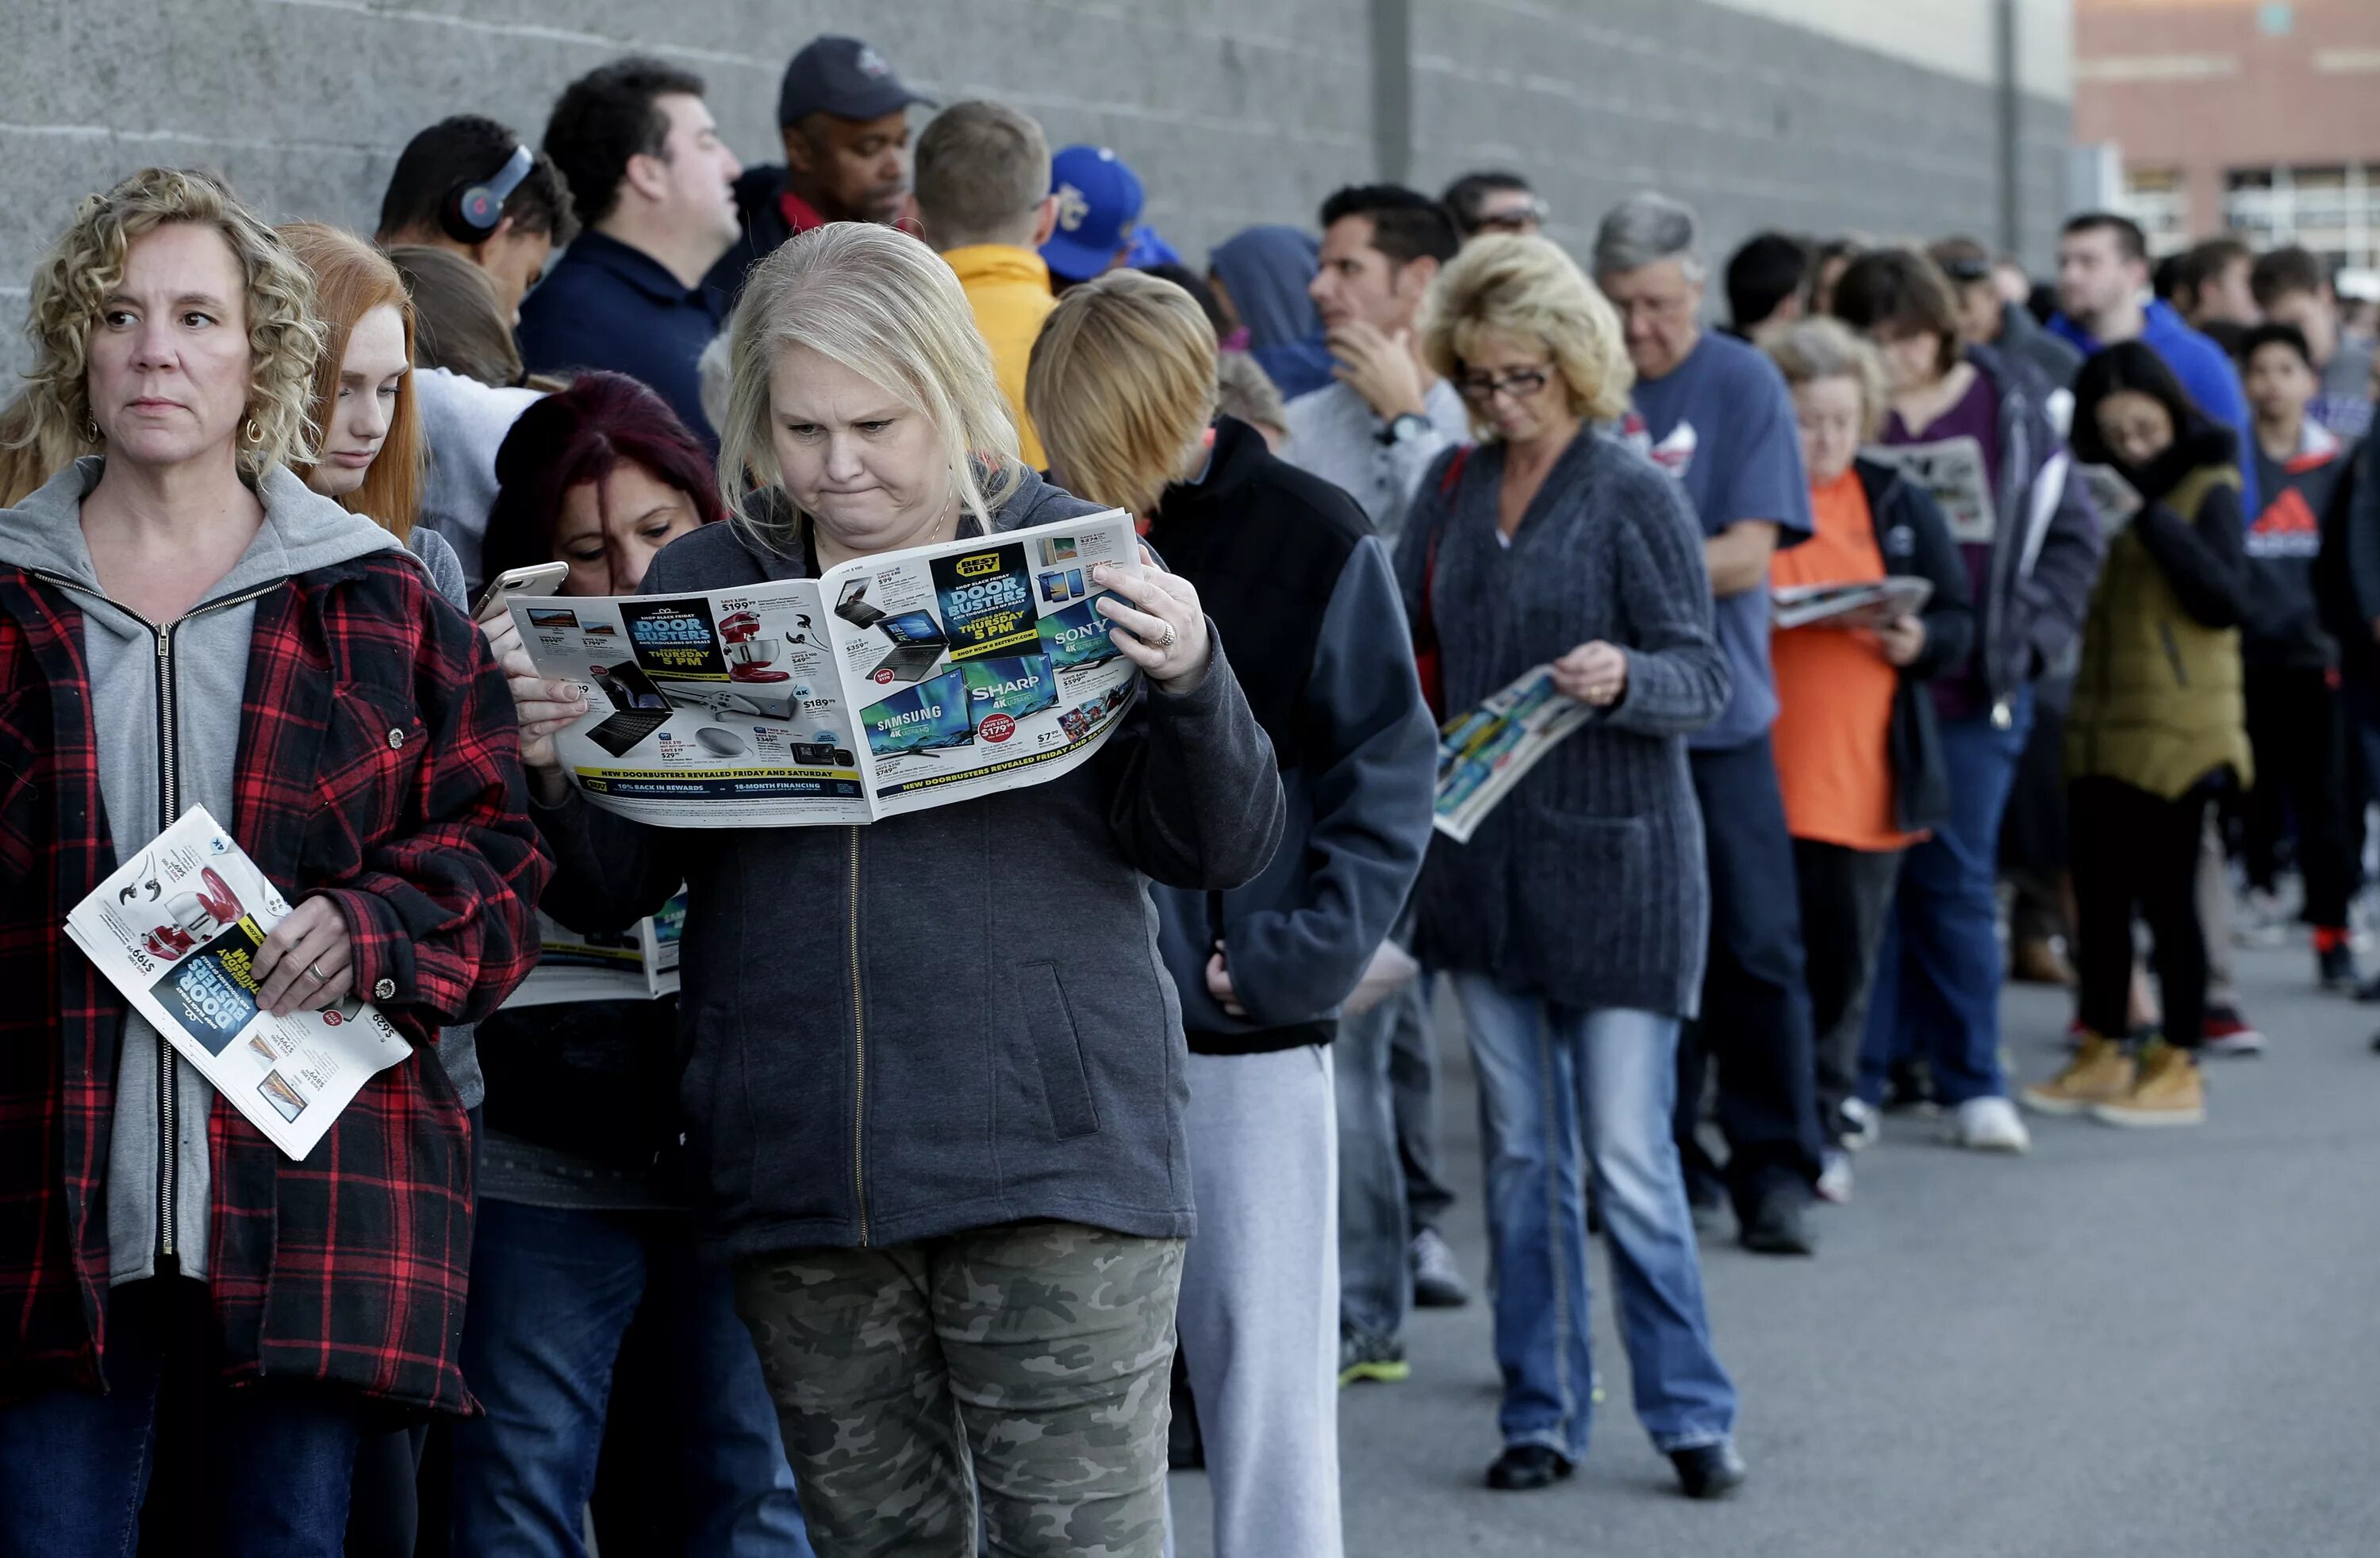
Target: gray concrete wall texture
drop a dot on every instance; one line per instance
(1234, 111)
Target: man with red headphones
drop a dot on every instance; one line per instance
(473, 187)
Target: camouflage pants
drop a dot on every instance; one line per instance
(1026, 1365)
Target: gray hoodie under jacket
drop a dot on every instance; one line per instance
(200, 661)
(946, 1020)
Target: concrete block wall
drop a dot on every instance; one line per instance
(1234, 111)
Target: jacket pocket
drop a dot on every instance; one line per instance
(1057, 1051)
(1583, 882)
(371, 758)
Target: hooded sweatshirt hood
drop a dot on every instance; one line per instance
(200, 664)
(1267, 271)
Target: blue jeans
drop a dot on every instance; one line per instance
(1561, 1091)
(1937, 970)
(552, 1292)
(276, 1459)
(1374, 1285)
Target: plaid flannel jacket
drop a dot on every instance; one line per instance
(378, 766)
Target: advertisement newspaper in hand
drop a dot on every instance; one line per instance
(1952, 471)
(2115, 500)
(639, 964)
(891, 683)
(1870, 603)
(1482, 754)
(177, 932)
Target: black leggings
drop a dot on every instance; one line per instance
(2136, 852)
(2294, 724)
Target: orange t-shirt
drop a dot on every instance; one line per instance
(1834, 689)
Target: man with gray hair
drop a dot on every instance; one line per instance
(1714, 412)
(984, 202)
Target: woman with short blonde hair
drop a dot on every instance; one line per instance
(1575, 922)
(183, 623)
(1121, 387)
(1127, 366)
(960, 1132)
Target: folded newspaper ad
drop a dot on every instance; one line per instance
(639, 964)
(2115, 500)
(177, 931)
(890, 684)
(1952, 471)
(1868, 604)
(1481, 755)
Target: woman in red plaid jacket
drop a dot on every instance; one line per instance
(182, 622)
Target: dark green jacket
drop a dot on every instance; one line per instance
(2158, 702)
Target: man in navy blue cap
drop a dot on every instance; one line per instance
(844, 119)
(1098, 204)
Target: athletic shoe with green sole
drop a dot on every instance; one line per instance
(1363, 1355)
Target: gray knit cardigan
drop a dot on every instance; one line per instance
(1586, 886)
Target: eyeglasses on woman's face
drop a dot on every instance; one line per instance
(1521, 213)
(1479, 388)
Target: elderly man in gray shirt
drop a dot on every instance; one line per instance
(1373, 433)
(1376, 429)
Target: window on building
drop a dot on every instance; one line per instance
(2157, 200)
(2333, 209)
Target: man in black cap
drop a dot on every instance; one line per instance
(844, 118)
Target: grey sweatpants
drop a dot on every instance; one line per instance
(1260, 1312)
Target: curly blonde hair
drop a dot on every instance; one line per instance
(75, 278)
(1510, 289)
(1121, 386)
(886, 306)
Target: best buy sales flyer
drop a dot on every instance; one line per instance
(891, 684)
(177, 931)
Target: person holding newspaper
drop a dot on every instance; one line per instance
(184, 624)
(1574, 921)
(935, 1079)
(584, 1222)
(1972, 424)
(1122, 387)
(1859, 756)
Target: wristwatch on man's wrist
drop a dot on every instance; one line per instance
(1405, 425)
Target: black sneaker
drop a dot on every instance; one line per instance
(1524, 1468)
(1779, 1224)
(1436, 1280)
(1708, 1471)
(2335, 968)
(1364, 1355)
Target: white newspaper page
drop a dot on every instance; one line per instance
(1952, 471)
(637, 964)
(177, 931)
(2115, 500)
(1870, 603)
(897, 682)
(985, 664)
(1482, 754)
(714, 711)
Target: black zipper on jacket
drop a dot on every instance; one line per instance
(169, 807)
(2172, 654)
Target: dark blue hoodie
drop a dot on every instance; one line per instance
(1267, 271)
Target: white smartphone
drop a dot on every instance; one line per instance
(538, 578)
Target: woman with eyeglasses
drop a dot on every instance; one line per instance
(1573, 923)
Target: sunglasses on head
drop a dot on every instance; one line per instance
(1511, 219)
(1968, 269)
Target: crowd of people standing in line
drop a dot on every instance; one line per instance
(820, 1256)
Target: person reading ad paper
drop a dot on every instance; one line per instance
(933, 1065)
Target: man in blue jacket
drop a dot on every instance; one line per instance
(2103, 297)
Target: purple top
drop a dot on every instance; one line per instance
(1959, 692)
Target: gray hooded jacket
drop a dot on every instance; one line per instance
(946, 1020)
(151, 770)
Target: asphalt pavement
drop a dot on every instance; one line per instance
(2164, 1344)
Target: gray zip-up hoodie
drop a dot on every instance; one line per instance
(950, 1020)
(150, 771)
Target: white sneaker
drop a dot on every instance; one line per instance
(1835, 1179)
(1866, 1127)
(1990, 1124)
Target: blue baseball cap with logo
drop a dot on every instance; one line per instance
(1099, 201)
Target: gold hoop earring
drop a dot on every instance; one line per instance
(254, 431)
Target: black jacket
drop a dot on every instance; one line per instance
(1915, 541)
(595, 1078)
(2347, 577)
(763, 218)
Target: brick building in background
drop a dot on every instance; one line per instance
(2260, 117)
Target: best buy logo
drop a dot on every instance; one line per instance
(976, 567)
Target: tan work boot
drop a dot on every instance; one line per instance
(2039, 962)
(2169, 1091)
(2100, 1073)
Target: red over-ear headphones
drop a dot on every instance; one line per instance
(472, 212)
